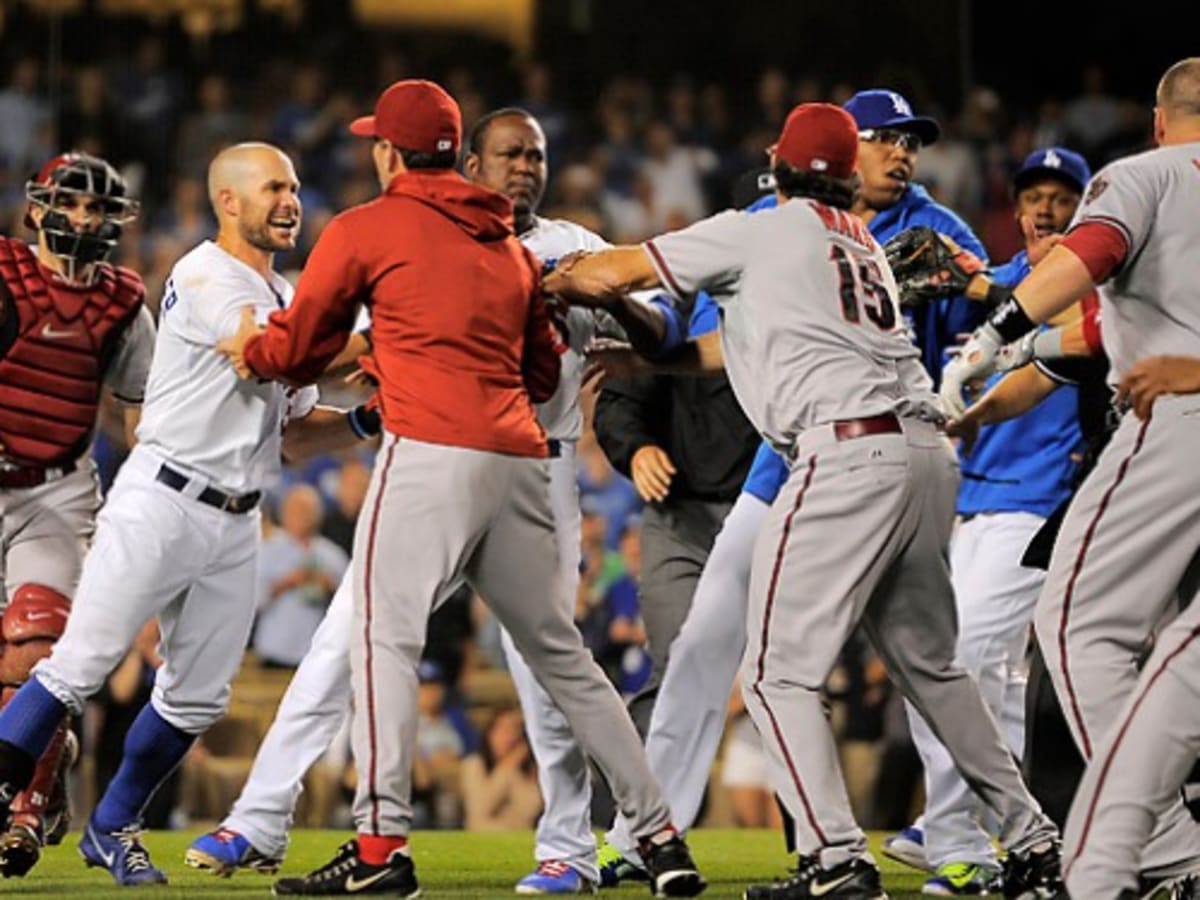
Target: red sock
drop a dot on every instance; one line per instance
(375, 849)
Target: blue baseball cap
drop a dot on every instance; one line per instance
(879, 108)
(1058, 163)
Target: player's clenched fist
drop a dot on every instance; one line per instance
(652, 471)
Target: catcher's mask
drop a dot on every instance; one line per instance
(85, 175)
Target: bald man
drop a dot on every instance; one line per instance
(1126, 554)
(178, 537)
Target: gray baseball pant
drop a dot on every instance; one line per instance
(486, 517)
(860, 531)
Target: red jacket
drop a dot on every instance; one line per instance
(463, 345)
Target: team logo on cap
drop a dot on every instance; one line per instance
(1052, 160)
(899, 104)
(444, 144)
(818, 165)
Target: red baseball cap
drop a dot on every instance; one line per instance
(819, 137)
(414, 115)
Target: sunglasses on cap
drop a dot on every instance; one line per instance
(905, 140)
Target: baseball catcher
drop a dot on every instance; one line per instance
(69, 323)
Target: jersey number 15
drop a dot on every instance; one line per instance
(860, 283)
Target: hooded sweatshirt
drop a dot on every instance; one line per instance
(462, 342)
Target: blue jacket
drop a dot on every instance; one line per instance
(933, 326)
(1024, 464)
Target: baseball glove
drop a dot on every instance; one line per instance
(929, 265)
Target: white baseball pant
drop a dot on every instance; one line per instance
(994, 595)
(689, 715)
(161, 552)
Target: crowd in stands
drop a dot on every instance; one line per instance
(642, 158)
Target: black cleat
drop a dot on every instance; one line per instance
(20, 849)
(855, 879)
(1174, 887)
(1035, 874)
(347, 874)
(671, 869)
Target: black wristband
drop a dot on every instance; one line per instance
(364, 422)
(1010, 321)
(997, 294)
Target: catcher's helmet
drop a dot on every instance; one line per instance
(83, 174)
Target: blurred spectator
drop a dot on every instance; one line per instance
(576, 198)
(352, 482)
(744, 770)
(537, 99)
(23, 112)
(499, 783)
(624, 653)
(602, 491)
(439, 751)
(1093, 116)
(950, 169)
(675, 174)
(215, 124)
(298, 572)
(92, 121)
(187, 218)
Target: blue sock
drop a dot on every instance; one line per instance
(31, 717)
(153, 748)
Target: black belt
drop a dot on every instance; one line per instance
(230, 503)
(33, 476)
(554, 448)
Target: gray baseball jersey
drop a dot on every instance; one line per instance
(1149, 307)
(1125, 552)
(800, 347)
(550, 240)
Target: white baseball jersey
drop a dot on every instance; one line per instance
(1151, 307)
(809, 318)
(198, 414)
(550, 240)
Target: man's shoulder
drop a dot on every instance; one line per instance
(553, 238)
(207, 267)
(924, 210)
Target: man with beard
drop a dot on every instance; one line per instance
(506, 152)
(179, 534)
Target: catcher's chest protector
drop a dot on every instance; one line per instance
(55, 342)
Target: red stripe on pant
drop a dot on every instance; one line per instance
(368, 616)
(1069, 593)
(762, 653)
(1112, 752)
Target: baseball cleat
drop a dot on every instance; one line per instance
(1035, 874)
(122, 853)
(670, 867)
(615, 868)
(224, 851)
(1172, 887)
(20, 849)
(908, 846)
(964, 880)
(553, 876)
(347, 874)
(57, 817)
(855, 879)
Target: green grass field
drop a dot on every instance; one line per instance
(449, 864)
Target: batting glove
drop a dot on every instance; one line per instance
(974, 363)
